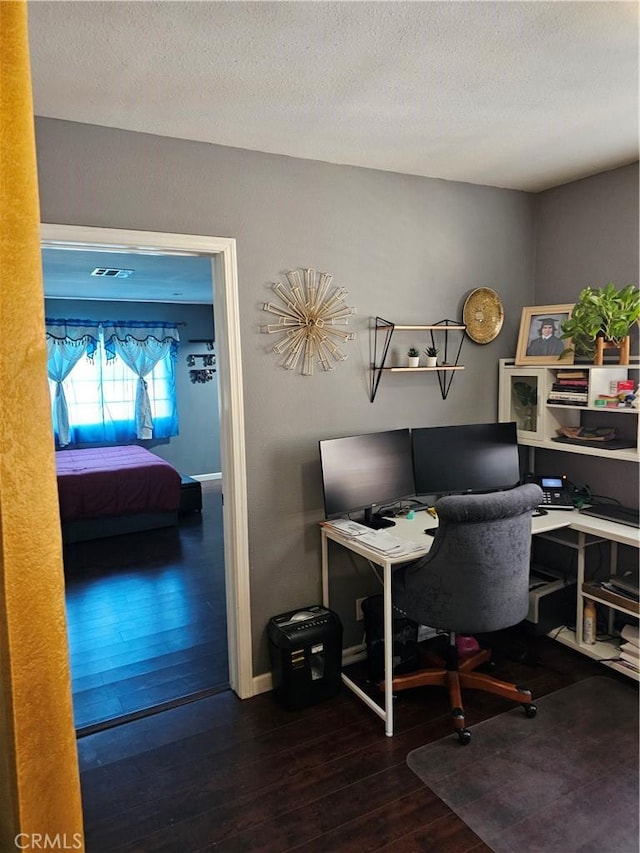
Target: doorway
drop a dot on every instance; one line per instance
(222, 253)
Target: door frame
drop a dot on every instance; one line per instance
(222, 251)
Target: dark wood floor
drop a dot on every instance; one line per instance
(230, 775)
(146, 616)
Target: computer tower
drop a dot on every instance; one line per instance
(405, 640)
(306, 656)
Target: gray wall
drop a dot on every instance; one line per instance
(408, 249)
(197, 449)
(587, 234)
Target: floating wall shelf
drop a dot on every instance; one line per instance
(445, 371)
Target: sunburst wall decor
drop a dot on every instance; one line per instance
(308, 320)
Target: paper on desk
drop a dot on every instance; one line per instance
(349, 528)
(390, 546)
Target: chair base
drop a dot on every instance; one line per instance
(459, 674)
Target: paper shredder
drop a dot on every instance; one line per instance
(306, 656)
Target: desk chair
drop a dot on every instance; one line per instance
(475, 579)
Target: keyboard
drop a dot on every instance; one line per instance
(614, 512)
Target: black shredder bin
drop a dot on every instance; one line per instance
(306, 656)
(405, 640)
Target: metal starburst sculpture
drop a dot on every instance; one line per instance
(309, 320)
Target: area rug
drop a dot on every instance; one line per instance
(564, 781)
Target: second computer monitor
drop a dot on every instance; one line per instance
(366, 472)
(467, 458)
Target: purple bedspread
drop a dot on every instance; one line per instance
(108, 481)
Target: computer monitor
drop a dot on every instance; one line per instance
(366, 472)
(466, 458)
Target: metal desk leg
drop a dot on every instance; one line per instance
(580, 580)
(388, 651)
(325, 569)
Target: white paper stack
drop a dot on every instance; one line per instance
(351, 529)
(630, 649)
(390, 546)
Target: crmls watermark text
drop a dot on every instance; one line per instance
(44, 841)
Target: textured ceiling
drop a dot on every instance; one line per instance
(509, 94)
(155, 278)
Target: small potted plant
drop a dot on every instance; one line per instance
(602, 318)
(432, 356)
(413, 356)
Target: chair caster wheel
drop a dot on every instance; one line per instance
(530, 710)
(464, 736)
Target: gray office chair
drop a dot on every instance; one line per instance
(475, 579)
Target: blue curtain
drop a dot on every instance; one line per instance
(67, 342)
(141, 346)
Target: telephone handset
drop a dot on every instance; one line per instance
(556, 492)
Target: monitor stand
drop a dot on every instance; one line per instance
(376, 522)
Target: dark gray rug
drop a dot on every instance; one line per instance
(563, 782)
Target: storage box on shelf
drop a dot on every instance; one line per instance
(535, 397)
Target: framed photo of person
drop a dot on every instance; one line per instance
(539, 341)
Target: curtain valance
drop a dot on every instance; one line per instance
(140, 333)
(81, 333)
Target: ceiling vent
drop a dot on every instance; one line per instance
(107, 272)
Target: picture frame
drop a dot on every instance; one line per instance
(532, 347)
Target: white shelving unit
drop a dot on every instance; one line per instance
(603, 650)
(523, 395)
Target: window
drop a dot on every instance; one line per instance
(111, 398)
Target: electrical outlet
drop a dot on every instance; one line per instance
(359, 613)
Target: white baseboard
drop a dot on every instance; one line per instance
(263, 683)
(203, 478)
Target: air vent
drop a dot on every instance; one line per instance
(106, 272)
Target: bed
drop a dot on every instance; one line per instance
(106, 491)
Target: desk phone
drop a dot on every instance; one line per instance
(556, 493)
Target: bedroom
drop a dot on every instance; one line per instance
(112, 678)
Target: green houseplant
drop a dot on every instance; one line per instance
(432, 356)
(608, 312)
(413, 356)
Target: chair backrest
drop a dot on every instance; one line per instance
(475, 577)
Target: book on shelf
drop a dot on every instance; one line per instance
(624, 584)
(630, 649)
(564, 401)
(631, 633)
(572, 374)
(633, 661)
(571, 383)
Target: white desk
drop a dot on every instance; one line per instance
(413, 530)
